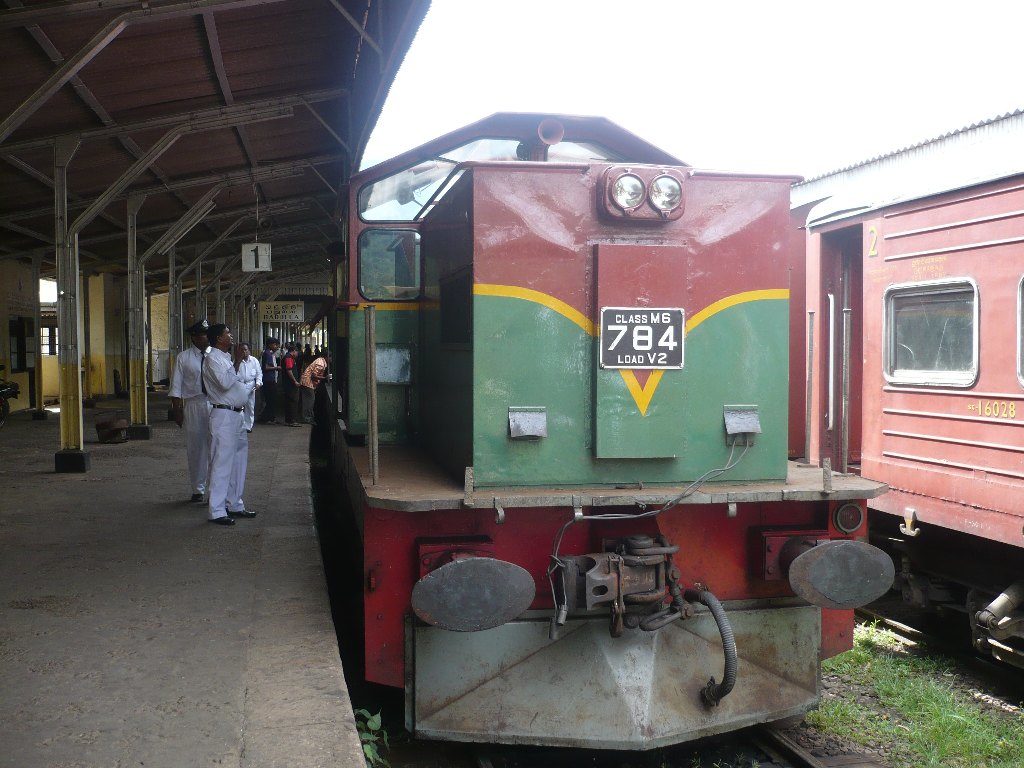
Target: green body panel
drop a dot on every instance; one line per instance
(394, 417)
(619, 434)
(528, 355)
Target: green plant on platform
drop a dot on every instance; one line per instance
(372, 735)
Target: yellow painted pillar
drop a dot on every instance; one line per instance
(71, 457)
(139, 427)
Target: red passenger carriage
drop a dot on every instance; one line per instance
(935, 391)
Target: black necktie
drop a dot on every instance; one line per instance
(202, 381)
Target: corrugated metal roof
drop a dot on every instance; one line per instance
(340, 55)
(980, 152)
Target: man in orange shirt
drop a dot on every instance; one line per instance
(315, 373)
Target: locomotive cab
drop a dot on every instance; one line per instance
(567, 354)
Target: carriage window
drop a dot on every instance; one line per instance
(400, 196)
(932, 333)
(389, 264)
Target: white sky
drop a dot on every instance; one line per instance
(784, 87)
(48, 291)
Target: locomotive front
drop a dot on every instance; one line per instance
(586, 531)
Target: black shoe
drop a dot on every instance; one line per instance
(222, 521)
(197, 497)
(242, 513)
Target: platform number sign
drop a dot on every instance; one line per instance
(641, 338)
(256, 257)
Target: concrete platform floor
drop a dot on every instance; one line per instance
(134, 633)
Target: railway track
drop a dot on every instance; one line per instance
(785, 751)
(761, 747)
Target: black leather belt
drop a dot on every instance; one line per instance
(229, 408)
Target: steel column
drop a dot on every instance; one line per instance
(39, 413)
(71, 457)
(139, 429)
(218, 302)
(148, 328)
(254, 324)
(174, 330)
(199, 297)
(222, 267)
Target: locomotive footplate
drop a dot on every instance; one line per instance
(411, 481)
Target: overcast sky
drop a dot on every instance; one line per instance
(782, 87)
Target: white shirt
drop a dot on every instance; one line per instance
(223, 385)
(250, 370)
(187, 374)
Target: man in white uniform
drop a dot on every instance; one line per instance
(228, 398)
(249, 372)
(191, 408)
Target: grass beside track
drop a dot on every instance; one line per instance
(907, 704)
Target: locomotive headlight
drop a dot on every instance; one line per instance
(628, 191)
(666, 193)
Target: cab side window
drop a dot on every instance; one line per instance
(389, 264)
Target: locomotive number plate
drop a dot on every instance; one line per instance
(641, 338)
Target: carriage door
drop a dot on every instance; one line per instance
(841, 354)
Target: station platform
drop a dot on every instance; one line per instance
(134, 633)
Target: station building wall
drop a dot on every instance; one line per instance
(105, 353)
(158, 318)
(18, 337)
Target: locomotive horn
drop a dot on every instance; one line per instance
(550, 131)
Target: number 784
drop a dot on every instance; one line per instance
(643, 337)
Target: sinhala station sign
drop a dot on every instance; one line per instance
(282, 311)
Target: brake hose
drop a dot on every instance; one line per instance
(714, 692)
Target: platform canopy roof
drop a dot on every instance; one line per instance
(267, 99)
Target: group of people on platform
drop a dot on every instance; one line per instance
(213, 397)
(291, 377)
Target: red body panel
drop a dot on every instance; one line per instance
(716, 550)
(944, 457)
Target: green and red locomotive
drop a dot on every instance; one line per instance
(564, 380)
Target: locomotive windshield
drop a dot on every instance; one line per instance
(402, 195)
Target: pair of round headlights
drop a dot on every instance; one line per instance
(664, 193)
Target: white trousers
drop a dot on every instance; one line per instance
(197, 441)
(238, 470)
(225, 426)
(250, 411)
